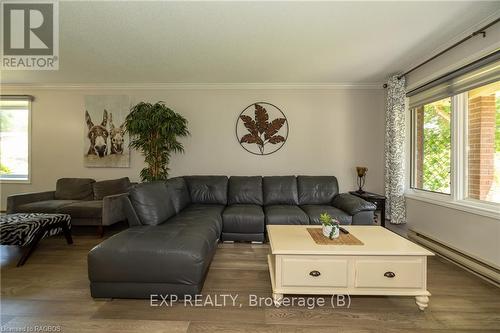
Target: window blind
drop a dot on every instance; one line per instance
(481, 72)
(17, 97)
(15, 102)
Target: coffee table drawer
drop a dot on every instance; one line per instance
(390, 273)
(314, 271)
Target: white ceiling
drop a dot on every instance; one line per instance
(249, 42)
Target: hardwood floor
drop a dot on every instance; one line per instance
(52, 290)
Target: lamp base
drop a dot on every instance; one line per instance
(361, 183)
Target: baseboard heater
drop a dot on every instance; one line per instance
(484, 270)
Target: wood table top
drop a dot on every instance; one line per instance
(295, 239)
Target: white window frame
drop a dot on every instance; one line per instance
(457, 199)
(412, 159)
(28, 180)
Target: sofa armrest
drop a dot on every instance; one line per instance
(365, 217)
(113, 208)
(132, 218)
(352, 204)
(14, 201)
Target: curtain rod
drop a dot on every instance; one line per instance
(481, 31)
(491, 57)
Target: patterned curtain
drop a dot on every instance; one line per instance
(395, 150)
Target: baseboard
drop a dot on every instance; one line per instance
(479, 268)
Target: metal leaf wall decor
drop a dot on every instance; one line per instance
(259, 135)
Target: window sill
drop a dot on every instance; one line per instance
(469, 206)
(15, 181)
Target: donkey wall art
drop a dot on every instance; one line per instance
(98, 135)
(106, 140)
(116, 135)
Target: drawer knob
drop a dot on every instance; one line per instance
(389, 274)
(315, 273)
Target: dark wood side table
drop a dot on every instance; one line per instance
(377, 199)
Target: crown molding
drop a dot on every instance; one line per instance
(193, 86)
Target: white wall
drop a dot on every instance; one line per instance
(330, 132)
(475, 235)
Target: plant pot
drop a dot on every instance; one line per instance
(331, 231)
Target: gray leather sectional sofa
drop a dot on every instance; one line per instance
(176, 225)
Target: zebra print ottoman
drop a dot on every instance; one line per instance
(27, 229)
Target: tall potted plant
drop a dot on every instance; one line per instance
(154, 130)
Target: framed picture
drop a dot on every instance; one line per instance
(106, 144)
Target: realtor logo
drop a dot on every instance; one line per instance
(30, 34)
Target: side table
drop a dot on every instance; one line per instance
(377, 199)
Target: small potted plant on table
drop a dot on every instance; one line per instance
(330, 226)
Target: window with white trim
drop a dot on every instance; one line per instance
(432, 146)
(456, 145)
(455, 137)
(15, 139)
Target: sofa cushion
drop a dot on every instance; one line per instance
(207, 189)
(104, 188)
(47, 206)
(317, 190)
(285, 214)
(178, 193)
(74, 189)
(169, 253)
(243, 219)
(280, 190)
(197, 214)
(314, 211)
(245, 190)
(83, 209)
(151, 202)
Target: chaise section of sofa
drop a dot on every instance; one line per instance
(168, 259)
(169, 246)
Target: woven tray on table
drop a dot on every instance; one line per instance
(343, 239)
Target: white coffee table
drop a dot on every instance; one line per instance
(386, 264)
